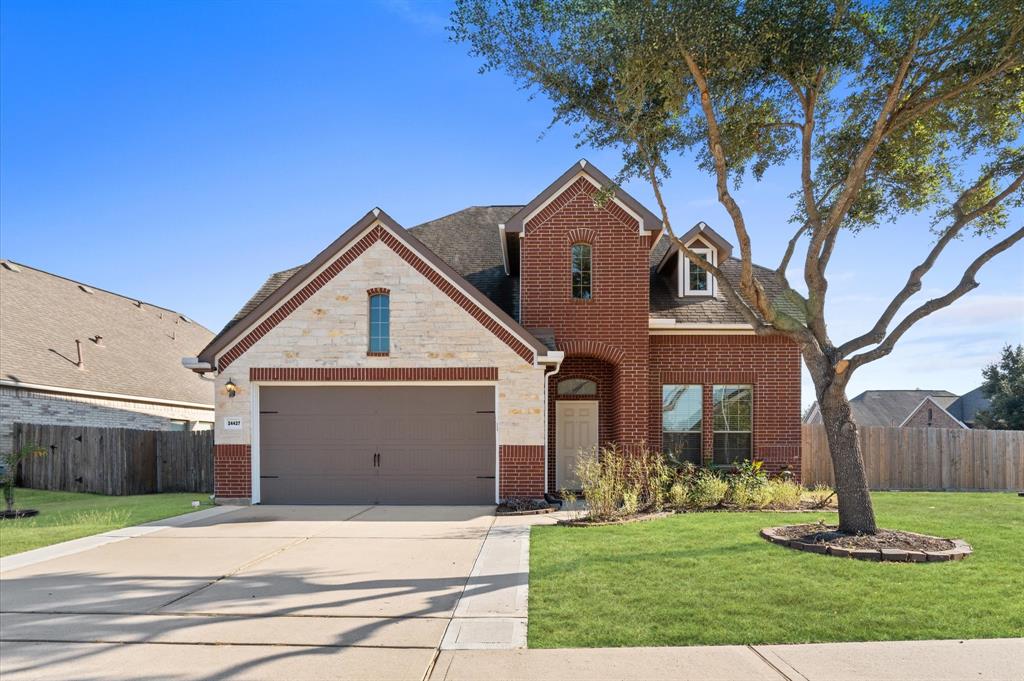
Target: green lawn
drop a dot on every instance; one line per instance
(708, 578)
(70, 515)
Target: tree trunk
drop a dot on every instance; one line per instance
(856, 513)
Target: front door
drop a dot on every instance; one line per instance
(575, 432)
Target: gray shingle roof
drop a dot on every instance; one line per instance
(891, 407)
(139, 346)
(967, 406)
(469, 241)
(666, 304)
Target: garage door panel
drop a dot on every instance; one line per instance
(436, 444)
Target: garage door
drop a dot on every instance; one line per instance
(368, 445)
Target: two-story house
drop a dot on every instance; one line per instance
(472, 358)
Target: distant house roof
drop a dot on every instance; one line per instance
(888, 407)
(967, 406)
(128, 347)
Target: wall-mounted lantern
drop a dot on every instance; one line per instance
(231, 388)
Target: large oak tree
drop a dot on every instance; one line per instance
(880, 109)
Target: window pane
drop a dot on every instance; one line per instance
(380, 323)
(577, 386)
(698, 276)
(734, 406)
(685, 446)
(581, 269)
(732, 448)
(681, 408)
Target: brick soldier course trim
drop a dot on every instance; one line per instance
(377, 233)
(378, 292)
(271, 374)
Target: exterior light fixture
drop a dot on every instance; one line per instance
(231, 388)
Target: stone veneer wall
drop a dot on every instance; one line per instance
(428, 329)
(23, 405)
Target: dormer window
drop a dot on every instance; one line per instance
(695, 280)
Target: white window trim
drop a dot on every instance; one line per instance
(684, 272)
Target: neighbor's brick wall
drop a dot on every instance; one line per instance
(522, 471)
(770, 363)
(940, 418)
(614, 322)
(21, 405)
(232, 471)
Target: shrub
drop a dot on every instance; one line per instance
(819, 495)
(677, 494)
(615, 483)
(707, 489)
(783, 493)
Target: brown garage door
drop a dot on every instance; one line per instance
(368, 445)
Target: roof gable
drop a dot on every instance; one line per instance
(375, 226)
(648, 222)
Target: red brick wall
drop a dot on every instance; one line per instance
(770, 363)
(614, 322)
(232, 471)
(595, 370)
(522, 471)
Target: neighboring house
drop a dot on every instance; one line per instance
(472, 358)
(72, 354)
(912, 409)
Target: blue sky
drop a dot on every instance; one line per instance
(179, 152)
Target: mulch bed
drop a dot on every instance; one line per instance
(524, 506)
(23, 513)
(639, 518)
(887, 545)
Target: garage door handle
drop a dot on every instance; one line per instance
(485, 477)
(268, 477)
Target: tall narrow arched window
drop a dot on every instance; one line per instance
(380, 324)
(581, 271)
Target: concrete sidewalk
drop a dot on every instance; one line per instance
(981, 660)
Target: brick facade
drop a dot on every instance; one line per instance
(771, 364)
(612, 324)
(600, 372)
(232, 472)
(522, 471)
(930, 415)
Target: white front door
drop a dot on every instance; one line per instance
(575, 432)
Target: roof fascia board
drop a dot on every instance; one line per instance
(647, 221)
(659, 324)
(103, 395)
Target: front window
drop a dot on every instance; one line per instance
(682, 411)
(581, 271)
(697, 281)
(733, 423)
(380, 323)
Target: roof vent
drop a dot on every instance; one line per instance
(11, 266)
(185, 319)
(84, 288)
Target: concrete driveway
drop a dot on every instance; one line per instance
(268, 592)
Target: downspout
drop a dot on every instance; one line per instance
(555, 358)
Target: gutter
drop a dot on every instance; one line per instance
(193, 364)
(660, 325)
(108, 396)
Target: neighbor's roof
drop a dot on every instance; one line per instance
(967, 406)
(128, 347)
(890, 407)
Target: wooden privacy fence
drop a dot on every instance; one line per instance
(925, 458)
(116, 461)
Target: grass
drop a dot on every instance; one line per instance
(708, 578)
(70, 515)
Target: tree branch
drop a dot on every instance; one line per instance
(967, 284)
(913, 285)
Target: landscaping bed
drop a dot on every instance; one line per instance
(524, 506)
(887, 545)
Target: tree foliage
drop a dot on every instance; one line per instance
(1004, 386)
